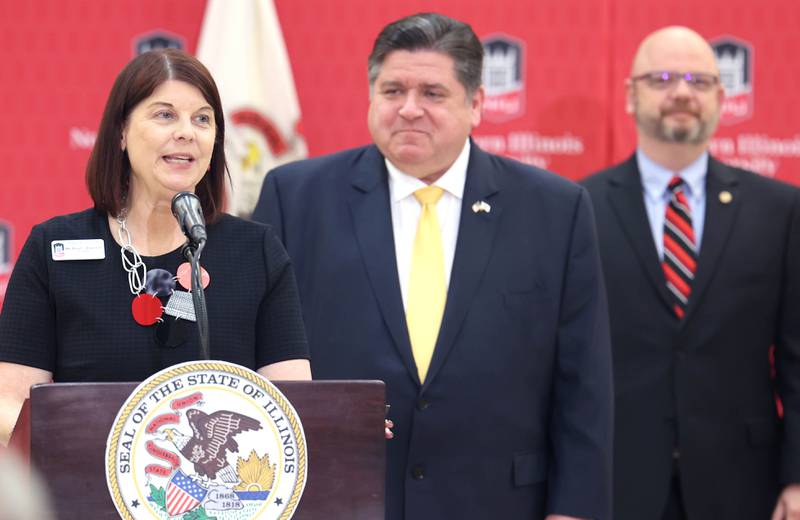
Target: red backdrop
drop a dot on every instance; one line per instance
(559, 67)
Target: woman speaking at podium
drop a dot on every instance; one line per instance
(104, 294)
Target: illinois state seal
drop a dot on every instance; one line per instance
(206, 440)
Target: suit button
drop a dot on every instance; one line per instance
(422, 404)
(418, 472)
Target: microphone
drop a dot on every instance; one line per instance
(189, 213)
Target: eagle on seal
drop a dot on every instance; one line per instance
(213, 436)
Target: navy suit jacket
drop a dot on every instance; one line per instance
(703, 384)
(514, 419)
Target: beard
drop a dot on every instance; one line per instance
(659, 128)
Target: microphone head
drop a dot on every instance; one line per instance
(184, 201)
(188, 211)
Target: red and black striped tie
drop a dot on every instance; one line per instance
(680, 256)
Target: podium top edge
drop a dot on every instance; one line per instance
(316, 382)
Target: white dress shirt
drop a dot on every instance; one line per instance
(655, 179)
(406, 210)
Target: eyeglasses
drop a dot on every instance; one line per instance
(667, 79)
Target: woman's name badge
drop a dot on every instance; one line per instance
(89, 249)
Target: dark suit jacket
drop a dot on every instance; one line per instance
(515, 417)
(703, 384)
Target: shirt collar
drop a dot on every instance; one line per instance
(402, 185)
(655, 177)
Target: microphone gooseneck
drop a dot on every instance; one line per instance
(199, 298)
(189, 213)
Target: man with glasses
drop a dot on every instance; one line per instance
(702, 267)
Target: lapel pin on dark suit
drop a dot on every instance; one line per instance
(725, 197)
(481, 206)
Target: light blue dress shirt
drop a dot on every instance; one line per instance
(655, 179)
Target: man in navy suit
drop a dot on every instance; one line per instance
(702, 265)
(469, 283)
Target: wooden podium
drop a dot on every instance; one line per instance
(63, 428)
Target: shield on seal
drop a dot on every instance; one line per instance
(183, 494)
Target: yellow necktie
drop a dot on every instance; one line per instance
(426, 289)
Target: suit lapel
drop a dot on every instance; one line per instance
(476, 234)
(372, 221)
(719, 220)
(626, 197)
